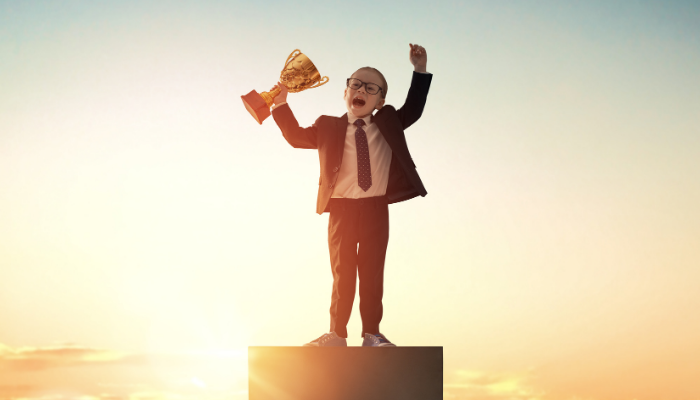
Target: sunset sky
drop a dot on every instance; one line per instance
(151, 230)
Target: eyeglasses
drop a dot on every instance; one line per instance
(356, 84)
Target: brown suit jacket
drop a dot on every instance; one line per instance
(327, 135)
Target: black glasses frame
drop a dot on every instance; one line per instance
(366, 85)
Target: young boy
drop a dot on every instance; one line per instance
(365, 165)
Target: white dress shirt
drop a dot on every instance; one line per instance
(379, 160)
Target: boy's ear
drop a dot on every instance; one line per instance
(345, 93)
(380, 104)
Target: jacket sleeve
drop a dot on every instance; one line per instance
(412, 109)
(298, 137)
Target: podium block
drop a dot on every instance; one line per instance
(345, 373)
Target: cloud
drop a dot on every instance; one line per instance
(38, 358)
(16, 391)
(73, 372)
(473, 385)
(140, 395)
(143, 395)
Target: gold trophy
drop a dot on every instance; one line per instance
(299, 74)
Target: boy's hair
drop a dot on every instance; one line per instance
(385, 86)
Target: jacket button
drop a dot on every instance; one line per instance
(335, 169)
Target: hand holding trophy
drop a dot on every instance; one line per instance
(299, 74)
(282, 96)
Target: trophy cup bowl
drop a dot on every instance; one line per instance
(298, 74)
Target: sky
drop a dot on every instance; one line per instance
(151, 230)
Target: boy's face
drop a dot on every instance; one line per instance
(359, 102)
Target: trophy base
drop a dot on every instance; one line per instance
(256, 106)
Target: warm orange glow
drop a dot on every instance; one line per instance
(149, 221)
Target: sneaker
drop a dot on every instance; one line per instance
(378, 340)
(328, 340)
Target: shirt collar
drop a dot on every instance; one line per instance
(352, 118)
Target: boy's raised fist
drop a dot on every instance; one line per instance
(418, 57)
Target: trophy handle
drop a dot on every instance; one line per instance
(322, 82)
(291, 57)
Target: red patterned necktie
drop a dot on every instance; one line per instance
(364, 172)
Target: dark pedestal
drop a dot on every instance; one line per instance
(345, 373)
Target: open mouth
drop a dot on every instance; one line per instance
(358, 102)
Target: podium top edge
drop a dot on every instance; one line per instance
(343, 347)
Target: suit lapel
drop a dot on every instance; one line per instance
(341, 129)
(380, 118)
